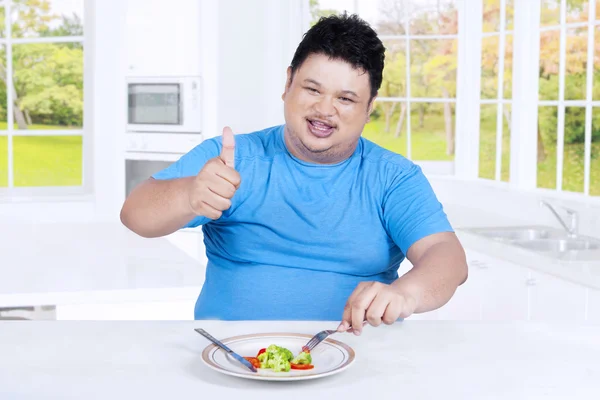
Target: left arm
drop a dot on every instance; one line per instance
(439, 267)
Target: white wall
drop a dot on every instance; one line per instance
(256, 44)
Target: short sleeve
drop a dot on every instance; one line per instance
(189, 165)
(411, 210)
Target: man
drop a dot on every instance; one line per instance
(310, 221)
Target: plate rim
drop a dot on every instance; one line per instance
(210, 347)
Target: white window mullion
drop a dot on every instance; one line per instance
(570, 103)
(48, 39)
(418, 36)
(525, 95)
(499, 113)
(468, 88)
(560, 129)
(417, 99)
(589, 93)
(408, 108)
(9, 89)
(48, 132)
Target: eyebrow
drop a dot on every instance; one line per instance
(350, 92)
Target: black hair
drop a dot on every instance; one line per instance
(346, 38)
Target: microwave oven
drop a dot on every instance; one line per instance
(164, 104)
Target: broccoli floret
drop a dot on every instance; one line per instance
(279, 364)
(302, 358)
(288, 355)
(277, 350)
(263, 358)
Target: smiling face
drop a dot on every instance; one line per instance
(326, 106)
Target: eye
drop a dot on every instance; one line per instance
(346, 100)
(312, 90)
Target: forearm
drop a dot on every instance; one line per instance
(158, 207)
(435, 276)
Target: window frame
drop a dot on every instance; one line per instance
(37, 193)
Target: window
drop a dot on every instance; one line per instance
(414, 113)
(568, 136)
(41, 95)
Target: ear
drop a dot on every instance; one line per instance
(288, 82)
(371, 107)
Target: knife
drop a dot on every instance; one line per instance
(227, 349)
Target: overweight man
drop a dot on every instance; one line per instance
(309, 220)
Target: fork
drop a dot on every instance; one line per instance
(319, 337)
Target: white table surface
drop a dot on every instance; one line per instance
(55, 263)
(409, 360)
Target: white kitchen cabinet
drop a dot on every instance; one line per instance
(495, 290)
(505, 292)
(163, 38)
(466, 303)
(593, 306)
(555, 299)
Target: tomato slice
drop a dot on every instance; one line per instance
(301, 366)
(254, 361)
(260, 352)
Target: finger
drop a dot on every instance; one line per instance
(228, 149)
(229, 174)
(217, 202)
(221, 187)
(347, 314)
(393, 311)
(208, 211)
(377, 309)
(360, 306)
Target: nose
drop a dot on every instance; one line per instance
(325, 106)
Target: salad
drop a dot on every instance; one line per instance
(280, 359)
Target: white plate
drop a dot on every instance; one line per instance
(329, 357)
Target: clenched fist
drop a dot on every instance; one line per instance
(213, 188)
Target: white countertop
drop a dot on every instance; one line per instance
(54, 263)
(409, 360)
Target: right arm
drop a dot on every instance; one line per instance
(160, 207)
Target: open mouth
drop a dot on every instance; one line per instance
(319, 128)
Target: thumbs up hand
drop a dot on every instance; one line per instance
(213, 188)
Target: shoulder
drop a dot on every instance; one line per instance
(390, 167)
(263, 143)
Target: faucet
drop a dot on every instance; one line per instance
(572, 228)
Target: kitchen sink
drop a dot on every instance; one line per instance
(517, 233)
(543, 240)
(558, 245)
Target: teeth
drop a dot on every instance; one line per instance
(320, 126)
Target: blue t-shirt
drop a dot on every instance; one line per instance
(299, 237)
